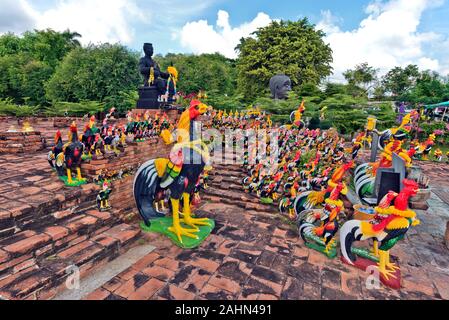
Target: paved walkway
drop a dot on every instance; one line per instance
(254, 254)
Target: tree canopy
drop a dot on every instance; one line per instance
(361, 79)
(27, 62)
(209, 72)
(400, 80)
(96, 73)
(294, 48)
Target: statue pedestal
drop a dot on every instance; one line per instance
(148, 98)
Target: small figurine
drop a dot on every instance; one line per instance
(12, 128)
(98, 146)
(27, 127)
(111, 114)
(296, 116)
(88, 139)
(389, 226)
(423, 149)
(103, 197)
(438, 155)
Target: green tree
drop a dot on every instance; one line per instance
(361, 79)
(22, 79)
(399, 80)
(430, 88)
(295, 48)
(9, 44)
(96, 73)
(48, 45)
(209, 72)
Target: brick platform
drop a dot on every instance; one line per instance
(46, 227)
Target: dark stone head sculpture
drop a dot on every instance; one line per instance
(280, 86)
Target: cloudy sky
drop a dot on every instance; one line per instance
(384, 33)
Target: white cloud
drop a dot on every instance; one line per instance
(387, 37)
(201, 37)
(96, 20)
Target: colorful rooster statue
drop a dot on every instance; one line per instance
(423, 150)
(357, 145)
(312, 199)
(103, 197)
(73, 151)
(389, 226)
(88, 138)
(56, 155)
(390, 141)
(296, 116)
(287, 202)
(179, 174)
(438, 154)
(321, 238)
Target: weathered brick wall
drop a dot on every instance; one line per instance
(20, 142)
(122, 198)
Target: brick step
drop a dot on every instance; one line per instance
(227, 186)
(227, 179)
(222, 170)
(45, 208)
(244, 200)
(36, 274)
(64, 229)
(67, 228)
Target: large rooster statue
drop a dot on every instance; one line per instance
(390, 141)
(179, 174)
(389, 226)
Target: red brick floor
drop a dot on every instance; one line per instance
(253, 254)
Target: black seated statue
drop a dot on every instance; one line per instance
(146, 65)
(154, 80)
(280, 86)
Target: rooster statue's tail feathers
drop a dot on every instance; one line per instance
(350, 232)
(145, 186)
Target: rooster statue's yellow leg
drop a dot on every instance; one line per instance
(78, 174)
(176, 228)
(376, 248)
(329, 246)
(393, 267)
(384, 257)
(188, 220)
(291, 213)
(69, 176)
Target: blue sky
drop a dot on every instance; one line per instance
(383, 33)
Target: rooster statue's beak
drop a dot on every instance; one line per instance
(202, 108)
